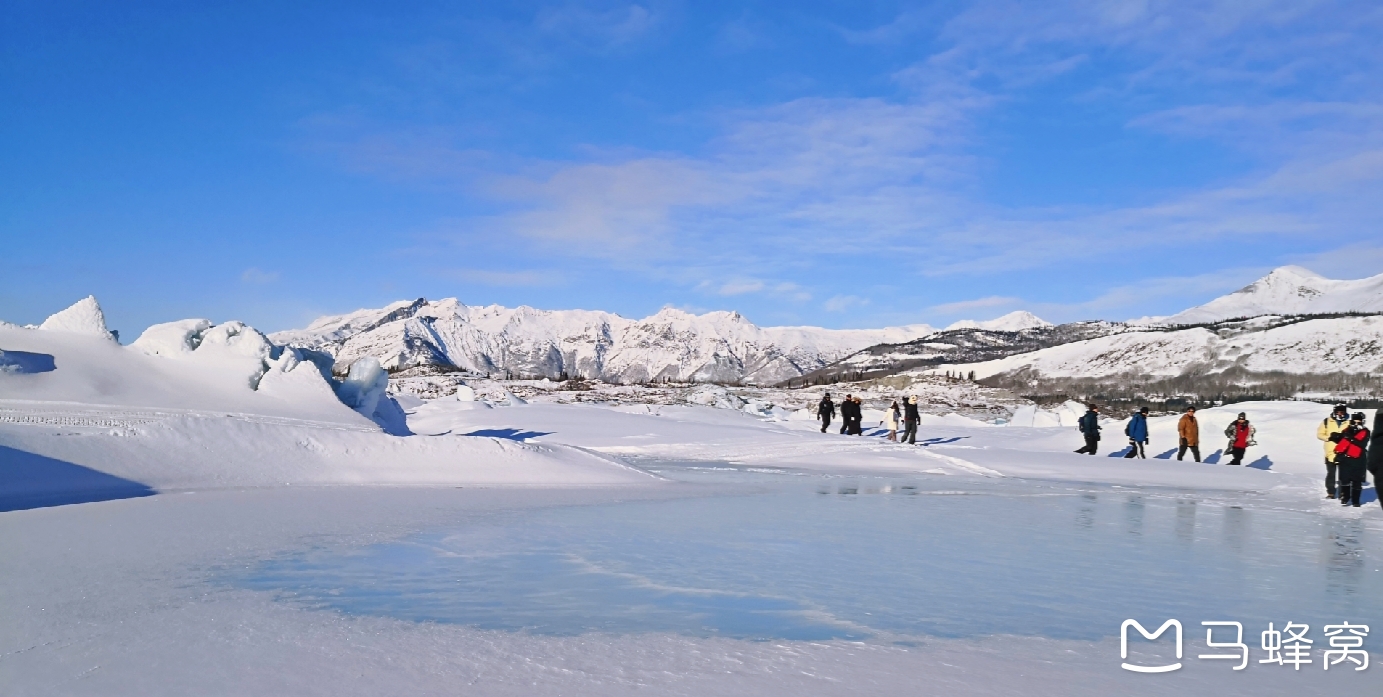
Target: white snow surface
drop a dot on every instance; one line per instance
(1289, 290)
(523, 341)
(1011, 322)
(122, 596)
(192, 405)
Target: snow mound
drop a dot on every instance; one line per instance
(83, 317)
(1011, 322)
(172, 338)
(231, 347)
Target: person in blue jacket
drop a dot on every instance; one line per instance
(1137, 431)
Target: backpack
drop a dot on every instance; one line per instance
(1350, 446)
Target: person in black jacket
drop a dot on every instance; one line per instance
(1376, 453)
(910, 419)
(825, 410)
(845, 407)
(857, 426)
(1090, 428)
(1350, 454)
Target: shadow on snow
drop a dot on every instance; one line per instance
(29, 481)
(508, 433)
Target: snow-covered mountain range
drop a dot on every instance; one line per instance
(525, 342)
(1289, 323)
(724, 347)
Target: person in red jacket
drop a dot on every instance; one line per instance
(1240, 434)
(1350, 449)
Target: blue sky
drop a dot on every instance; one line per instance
(830, 163)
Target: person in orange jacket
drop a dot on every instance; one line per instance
(1189, 435)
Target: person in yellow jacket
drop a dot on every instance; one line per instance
(1333, 424)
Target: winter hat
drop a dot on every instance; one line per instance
(1144, 410)
(1341, 408)
(1242, 415)
(1358, 416)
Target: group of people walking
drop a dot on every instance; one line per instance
(1239, 432)
(852, 415)
(1349, 455)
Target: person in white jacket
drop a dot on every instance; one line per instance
(891, 419)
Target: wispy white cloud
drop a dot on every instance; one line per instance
(960, 306)
(603, 29)
(844, 303)
(786, 190)
(258, 277)
(491, 277)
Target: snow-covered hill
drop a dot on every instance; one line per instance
(1289, 290)
(672, 344)
(1266, 344)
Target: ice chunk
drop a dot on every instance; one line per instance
(715, 396)
(513, 399)
(26, 362)
(365, 390)
(1024, 416)
(465, 393)
(83, 317)
(365, 385)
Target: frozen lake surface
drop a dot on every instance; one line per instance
(775, 555)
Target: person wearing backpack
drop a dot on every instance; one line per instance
(1137, 432)
(1350, 449)
(1331, 426)
(1240, 434)
(1089, 426)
